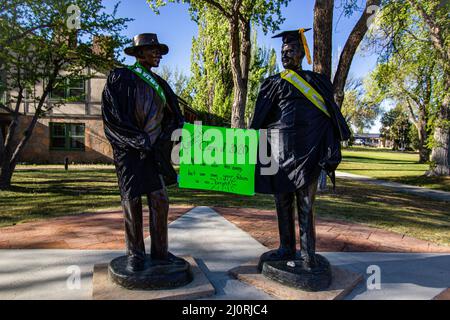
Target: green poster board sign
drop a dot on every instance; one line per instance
(218, 159)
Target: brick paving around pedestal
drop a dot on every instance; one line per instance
(94, 231)
(332, 236)
(104, 230)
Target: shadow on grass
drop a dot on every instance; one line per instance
(382, 207)
(379, 161)
(218, 199)
(420, 173)
(46, 172)
(378, 150)
(60, 189)
(64, 182)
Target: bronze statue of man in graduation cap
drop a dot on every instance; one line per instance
(304, 130)
(140, 112)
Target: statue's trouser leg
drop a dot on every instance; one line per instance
(134, 237)
(305, 202)
(286, 221)
(158, 203)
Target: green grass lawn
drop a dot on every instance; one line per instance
(45, 192)
(403, 167)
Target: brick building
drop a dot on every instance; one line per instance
(73, 130)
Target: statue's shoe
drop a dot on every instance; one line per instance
(135, 263)
(280, 254)
(307, 262)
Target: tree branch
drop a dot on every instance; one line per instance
(412, 115)
(415, 37)
(24, 34)
(27, 135)
(219, 7)
(436, 31)
(346, 58)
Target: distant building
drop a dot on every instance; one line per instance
(371, 140)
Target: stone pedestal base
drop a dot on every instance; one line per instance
(343, 282)
(105, 289)
(157, 275)
(294, 274)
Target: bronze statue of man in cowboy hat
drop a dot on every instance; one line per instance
(140, 113)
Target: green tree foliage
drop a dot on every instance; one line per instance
(397, 128)
(263, 64)
(360, 108)
(41, 46)
(414, 37)
(178, 81)
(238, 15)
(408, 73)
(211, 84)
(414, 83)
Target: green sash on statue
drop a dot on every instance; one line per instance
(143, 73)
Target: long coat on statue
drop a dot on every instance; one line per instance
(140, 159)
(309, 140)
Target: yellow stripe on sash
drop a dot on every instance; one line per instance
(304, 87)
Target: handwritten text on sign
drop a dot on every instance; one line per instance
(218, 159)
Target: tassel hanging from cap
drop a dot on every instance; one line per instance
(305, 45)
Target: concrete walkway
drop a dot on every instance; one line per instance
(217, 245)
(405, 188)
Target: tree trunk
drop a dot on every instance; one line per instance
(352, 44)
(246, 53)
(421, 126)
(440, 155)
(6, 173)
(323, 36)
(11, 158)
(240, 60)
(6, 166)
(2, 145)
(424, 152)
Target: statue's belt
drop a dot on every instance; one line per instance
(142, 72)
(306, 89)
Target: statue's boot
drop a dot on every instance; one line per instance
(134, 237)
(306, 219)
(158, 203)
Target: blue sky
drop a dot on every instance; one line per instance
(175, 28)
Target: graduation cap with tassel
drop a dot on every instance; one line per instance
(296, 36)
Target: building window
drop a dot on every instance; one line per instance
(73, 90)
(67, 136)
